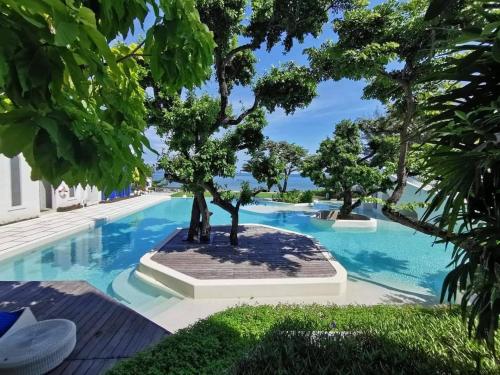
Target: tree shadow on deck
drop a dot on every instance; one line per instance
(107, 331)
(260, 249)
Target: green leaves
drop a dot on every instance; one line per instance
(180, 47)
(464, 164)
(288, 87)
(288, 20)
(84, 113)
(339, 165)
(436, 7)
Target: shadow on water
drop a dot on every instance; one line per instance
(366, 262)
(433, 281)
(400, 295)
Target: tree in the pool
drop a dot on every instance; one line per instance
(274, 162)
(288, 87)
(342, 166)
(387, 45)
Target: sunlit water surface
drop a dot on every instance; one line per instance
(393, 255)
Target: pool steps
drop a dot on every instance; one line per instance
(143, 297)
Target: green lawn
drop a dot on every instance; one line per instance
(275, 340)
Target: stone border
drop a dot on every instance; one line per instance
(233, 288)
(369, 224)
(34, 245)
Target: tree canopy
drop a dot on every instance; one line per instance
(288, 86)
(274, 162)
(389, 46)
(340, 166)
(70, 97)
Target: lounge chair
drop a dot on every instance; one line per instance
(31, 347)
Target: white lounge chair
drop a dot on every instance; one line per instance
(32, 347)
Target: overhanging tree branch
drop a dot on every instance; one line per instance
(241, 117)
(430, 229)
(132, 53)
(238, 49)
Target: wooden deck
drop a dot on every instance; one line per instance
(107, 331)
(263, 253)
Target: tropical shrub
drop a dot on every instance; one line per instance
(294, 196)
(341, 165)
(464, 163)
(274, 162)
(281, 340)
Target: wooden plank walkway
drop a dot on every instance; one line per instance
(107, 331)
(263, 253)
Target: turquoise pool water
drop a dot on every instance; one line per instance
(393, 255)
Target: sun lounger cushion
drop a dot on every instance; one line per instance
(7, 320)
(37, 348)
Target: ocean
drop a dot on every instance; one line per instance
(295, 182)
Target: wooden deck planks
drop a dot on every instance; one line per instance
(262, 253)
(107, 331)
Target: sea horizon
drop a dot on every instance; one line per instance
(295, 182)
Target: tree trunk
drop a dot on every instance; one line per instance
(346, 208)
(285, 183)
(194, 225)
(356, 204)
(205, 217)
(402, 171)
(233, 236)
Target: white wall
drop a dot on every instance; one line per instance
(412, 194)
(85, 196)
(30, 199)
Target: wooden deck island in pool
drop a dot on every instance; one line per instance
(107, 331)
(269, 262)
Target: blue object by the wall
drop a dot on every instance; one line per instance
(117, 194)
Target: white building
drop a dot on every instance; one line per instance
(21, 198)
(414, 192)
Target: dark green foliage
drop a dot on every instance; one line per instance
(294, 196)
(241, 69)
(464, 163)
(71, 102)
(265, 167)
(260, 340)
(272, 21)
(340, 166)
(289, 87)
(273, 162)
(223, 18)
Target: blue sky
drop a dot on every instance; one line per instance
(308, 126)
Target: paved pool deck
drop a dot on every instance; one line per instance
(358, 292)
(26, 235)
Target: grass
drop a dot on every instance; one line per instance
(277, 340)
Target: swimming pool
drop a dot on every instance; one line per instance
(393, 255)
